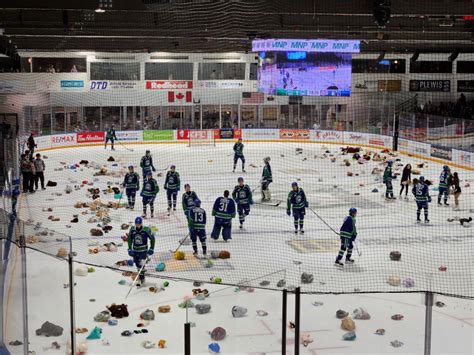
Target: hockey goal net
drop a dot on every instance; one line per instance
(201, 137)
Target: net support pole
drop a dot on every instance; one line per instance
(24, 289)
(71, 300)
(297, 319)
(429, 297)
(283, 320)
(395, 132)
(187, 338)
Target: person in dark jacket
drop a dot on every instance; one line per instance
(406, 180)
(25, 172)
(31, 145)
(39, 171)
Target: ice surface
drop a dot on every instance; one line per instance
(266, 249)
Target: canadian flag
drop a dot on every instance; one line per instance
(180, 96)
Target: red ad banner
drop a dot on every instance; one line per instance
(182, 134)
(169, 85)
(90, 137)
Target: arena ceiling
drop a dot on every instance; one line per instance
(230, 25)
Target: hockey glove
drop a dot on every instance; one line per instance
(429, 199)
(251, 202)
(288, 212)
(306, 204)
(151, 252)
(131, 252)
(153, 169)
(165, 187)
(141, 194)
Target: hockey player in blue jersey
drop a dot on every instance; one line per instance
(131, 183)
(239, 154)
(149, 192)
(267, 179)
(443, 189)
(422, 198)
(348, 234)
(110, 136)
(146, 163)
(172, 186)
(197, 226)
(141, 244)
(298, 203)
(242, 195)
(387, 180)
(223, 211)
(188, 199)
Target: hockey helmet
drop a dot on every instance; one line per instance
(147, 152)
(390, 163)
(187, 185)
(172, 167)
(240, 179)
(150, 174)
(130, 167)
(422, 179)
(445, 167)
(294, 184)
(138, 220)
(352, 210)
(266, 159)
(197, 202)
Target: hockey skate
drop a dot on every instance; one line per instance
(427, 220)
(243, 170)
(241, 225)
(338, 263)
(296, 231)
(301, 231)
(350, 261)
(418, 221)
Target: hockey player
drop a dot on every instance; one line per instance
(422, 198)
(172, 186)
(197, 226)
(149, 192)
(131, 183)
(242, 195)
(139, 248)
(298, 202)
(146, 163)
(348, 235)
(188, 199)
(444, 185)
(239, 154)
(110, 136)
(223, 211)
(267, 179)
(387, 180)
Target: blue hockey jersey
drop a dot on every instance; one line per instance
(132, 181)
(348, 229)
(138, 239)
(197, 218)
(421, 192)
(224, 208)
(242, 195)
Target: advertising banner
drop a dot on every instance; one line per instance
(403, 145)
(90, 137)
(43, 142)
(222, 84)
(169, 85)
(61, 140)
(355, 138)
(129, 135)
(465, 85)
(261, 134)
(155, 135)
(294, 134)
(430, 85)
(12, 87)
(463, 158)
(419, 148)
(182, 134)
(326, 136)
(112, 85)
(438, 151)
(67, 85)
(226, 133)
(312, 45)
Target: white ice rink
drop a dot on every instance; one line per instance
(266, 249)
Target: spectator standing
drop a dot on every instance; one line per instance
(25, 172)
(456, 190)
(31, 180)
(39, 175)
(31, 145)
(406, 180)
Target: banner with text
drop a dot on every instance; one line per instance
(326, 136)
(155, 135)
(296, 134)
(90, 137)
(61, 140)
(95, 85)
(169, 85)
(312, 45)
(130, 135)
(261, 134)
(438, 151)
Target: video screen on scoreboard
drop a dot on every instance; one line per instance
(305, 73)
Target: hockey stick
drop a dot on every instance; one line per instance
(357, 249)
(123, 145)
(269, 204)
(322, 220)
(121, 195)
(136, 277)
(180, 244)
